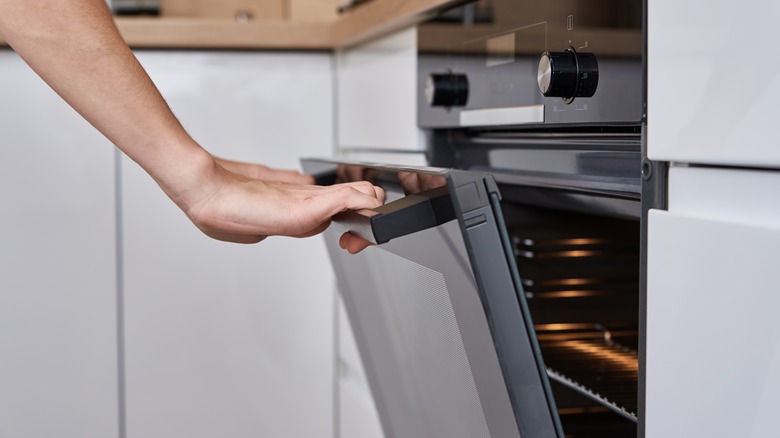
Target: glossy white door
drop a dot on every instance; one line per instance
(713, 82)
(58, 337)
(377, 94)
(713, 346)
(226, 340)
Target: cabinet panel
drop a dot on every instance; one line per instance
(377, 94)
(712, 89)
(358, 416)
(713, 348)
(58, 337)
(225, 339)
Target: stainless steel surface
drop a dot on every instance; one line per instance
(500, 54)
(430, 360)
(544, 73)
(445, 342)
(126, 7)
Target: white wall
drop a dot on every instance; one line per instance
(58, 356)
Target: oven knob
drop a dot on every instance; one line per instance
(568, 74)
(447, 89)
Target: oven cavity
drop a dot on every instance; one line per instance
(580, 277)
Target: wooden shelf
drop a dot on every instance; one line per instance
(200, 33)
(365, 22)
(380, 17)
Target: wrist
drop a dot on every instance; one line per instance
(187, 175)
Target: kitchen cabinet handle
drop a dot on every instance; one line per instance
(399, 218)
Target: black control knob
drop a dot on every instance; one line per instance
(568, 74)
(447, 89)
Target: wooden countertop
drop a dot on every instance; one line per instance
(365, 22)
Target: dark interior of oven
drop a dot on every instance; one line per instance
(580, 275)
(574, 227)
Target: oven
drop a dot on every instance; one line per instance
(505, 295)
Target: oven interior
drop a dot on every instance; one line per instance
(580, 275)
(575, 231)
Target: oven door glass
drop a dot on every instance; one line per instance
(438, 312)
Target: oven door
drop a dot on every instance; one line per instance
(437, 307)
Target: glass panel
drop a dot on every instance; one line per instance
(424, 338)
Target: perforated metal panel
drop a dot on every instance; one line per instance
(424, 338)
(427, 346)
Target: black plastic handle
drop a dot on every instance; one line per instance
(399, 218)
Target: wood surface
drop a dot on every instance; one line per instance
(312, 10)
(224, 9)
(380, 17)
(312, 30)
(204, 33)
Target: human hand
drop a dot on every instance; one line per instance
(411, 182)
(353, 244)
(353, 173)
(234, 208)
(264, 173)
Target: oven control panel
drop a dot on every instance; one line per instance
(532, 63)
(447, 90)
(568, 75)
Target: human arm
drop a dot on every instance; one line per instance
(75, 47)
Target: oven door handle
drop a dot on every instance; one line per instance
(401, 217)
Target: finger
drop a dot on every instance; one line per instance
(342, 197)
(355, 173)
(409, 182)
(357, 200)
(344, 240)
(356, 244)
(353, 244)
(362, 186)
(370, 189)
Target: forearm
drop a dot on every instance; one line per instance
(75, 47)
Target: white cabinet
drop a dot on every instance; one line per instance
(712, 337)
(713, 87)
(713, 347)
(357, 413)
(225, 339)
(376, 87)
(58, 330)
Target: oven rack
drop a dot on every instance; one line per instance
(604, 373)
(591, 394)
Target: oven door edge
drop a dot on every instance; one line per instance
(477, 201)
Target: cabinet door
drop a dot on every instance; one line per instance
(713, 346)
(225, 339)
(357, 415)
(377, 95)
(712, 88)
(58, 337)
